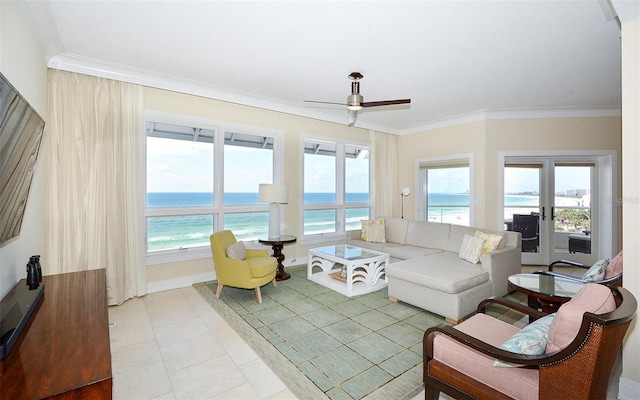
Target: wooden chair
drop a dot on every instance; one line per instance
(580, 370)
(613, 276)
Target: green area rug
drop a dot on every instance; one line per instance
(323, 344)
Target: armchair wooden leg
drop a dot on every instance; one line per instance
(259, 295)
(275, 282)
(431, 394)
(219, 290)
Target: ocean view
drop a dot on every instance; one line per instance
(188, 231)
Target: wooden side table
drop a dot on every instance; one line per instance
(277, 245)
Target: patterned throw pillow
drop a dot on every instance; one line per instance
(237, 251)
(532, 340)
(373, 231)
(597, 271)
(491, 241)
(471, 249)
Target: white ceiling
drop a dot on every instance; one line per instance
(454, 59)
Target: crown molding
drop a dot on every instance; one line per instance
(532, 113)
(99, 68)
(88, 66)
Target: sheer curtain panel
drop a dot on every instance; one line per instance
(95, 166)
(384, 165)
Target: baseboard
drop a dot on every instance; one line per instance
(184, 281)
(296, 261)
(628, 389)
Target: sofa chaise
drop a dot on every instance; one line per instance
(426, 268)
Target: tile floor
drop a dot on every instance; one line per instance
(173, 345)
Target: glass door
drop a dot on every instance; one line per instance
(523, 195)
(549, 201)
(572, 211)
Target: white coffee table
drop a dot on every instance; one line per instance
(365, 269)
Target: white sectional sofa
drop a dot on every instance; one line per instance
(426, 270)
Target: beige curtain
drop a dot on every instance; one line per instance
(95, 167)
(386, 195)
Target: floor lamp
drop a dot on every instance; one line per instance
(274, 195)
(405, 192)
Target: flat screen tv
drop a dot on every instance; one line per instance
(20, 134)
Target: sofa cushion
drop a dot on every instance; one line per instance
(407, 252)
(593, 298)
(615, 267)
(471, 249)
(521, 383)
(396, 230)
(373, 231)
(457, 275)
(431, 235)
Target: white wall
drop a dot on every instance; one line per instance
(23, 65)
(630, 384)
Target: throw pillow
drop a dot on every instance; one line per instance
(593, 298)
(615, 267)
(471, 249)
(237, 251)
(373, 231)
(532, 340)
(491, 241)
(597, 271)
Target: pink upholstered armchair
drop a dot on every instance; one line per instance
(612, 276)
(478, 359)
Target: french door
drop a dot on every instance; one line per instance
(562, 206)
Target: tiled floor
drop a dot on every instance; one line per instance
(173, 345)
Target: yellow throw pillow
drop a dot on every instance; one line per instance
(373, 231)
(491, 241)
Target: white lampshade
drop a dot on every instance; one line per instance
(273, 193)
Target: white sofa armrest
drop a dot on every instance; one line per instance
(501, 264)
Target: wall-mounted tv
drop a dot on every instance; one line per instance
(20, 133)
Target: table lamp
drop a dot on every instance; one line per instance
(274, 195)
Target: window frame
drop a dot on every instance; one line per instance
(341, 205)
(218, 209)
(422, 166)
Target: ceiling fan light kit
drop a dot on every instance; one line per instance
(355, 101)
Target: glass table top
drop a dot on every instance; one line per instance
(546, 284)
(347, 252)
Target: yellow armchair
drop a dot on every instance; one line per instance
(256, 270)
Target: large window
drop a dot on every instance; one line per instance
(336, 187)
(187, 161)
(446, 190)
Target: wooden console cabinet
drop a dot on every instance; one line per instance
(64, 352)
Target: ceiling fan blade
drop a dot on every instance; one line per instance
(352, 117)
(385, 103)
(324, 102)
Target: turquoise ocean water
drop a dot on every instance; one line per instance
(188, 231)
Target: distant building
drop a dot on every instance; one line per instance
(576, 192)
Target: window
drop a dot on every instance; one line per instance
(336, 187)
(187, 159)
(446, 190)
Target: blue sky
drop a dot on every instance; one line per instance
(184, 166)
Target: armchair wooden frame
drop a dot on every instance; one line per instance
(579, 371)
(611, 282)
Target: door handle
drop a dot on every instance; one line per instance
(543, 214)
(553, 214)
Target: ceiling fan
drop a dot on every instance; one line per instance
(355, 100)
